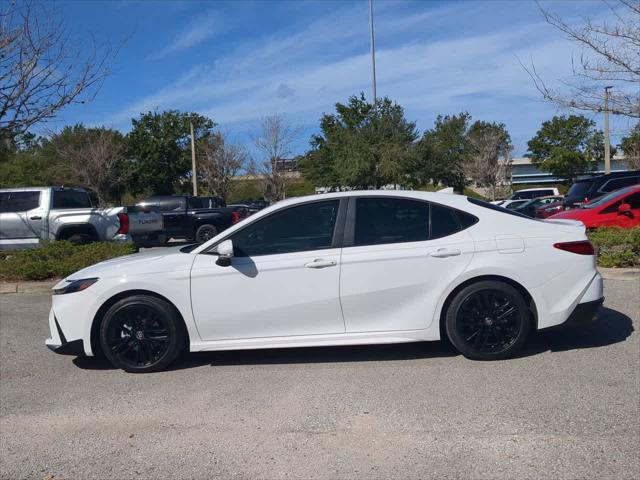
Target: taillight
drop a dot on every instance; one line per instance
(583, 247)
(235, 217)
(124, 223)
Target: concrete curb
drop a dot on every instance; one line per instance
(43, 286)
(620, 273)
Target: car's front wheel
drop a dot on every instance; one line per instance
(488, 320)
(141, 334)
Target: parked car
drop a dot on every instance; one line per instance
(31, 214)
(527, 194)
(344, 268)
(253, 205)
(620, 209)
(513, 204)
(549, 209)
(530, 207)
(583, 191)
(192, 218)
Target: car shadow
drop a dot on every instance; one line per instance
(609, 328)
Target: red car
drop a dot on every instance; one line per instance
(549, 209)
(616, 209)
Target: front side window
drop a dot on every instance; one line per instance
(296, 229)
(19, 201)
(390, 220)
(63, 199)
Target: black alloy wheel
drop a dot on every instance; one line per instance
(488, 320)
(205, 233)
(140, 334)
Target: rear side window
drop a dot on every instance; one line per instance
(63, 199)
(444, 221)
(11, 202)
(619, 183)
(390, 220)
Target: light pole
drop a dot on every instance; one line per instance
(607, 152)
(194, 176)
(373, 53)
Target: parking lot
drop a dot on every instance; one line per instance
(567, 408)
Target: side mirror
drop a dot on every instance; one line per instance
(225, 253)
(624, 209)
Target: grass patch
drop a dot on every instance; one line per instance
(57, 259)
(617, 247)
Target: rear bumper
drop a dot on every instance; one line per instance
(584, 314)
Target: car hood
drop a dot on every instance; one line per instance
(155, 260)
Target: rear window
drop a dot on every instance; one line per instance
(11, 202)
(64, 199)
(496, 208)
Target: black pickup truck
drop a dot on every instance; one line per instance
(192, 218)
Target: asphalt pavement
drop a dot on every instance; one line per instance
(568, 407)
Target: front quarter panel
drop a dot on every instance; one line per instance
(76, 312)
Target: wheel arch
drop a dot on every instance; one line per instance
(97, 319)
(69, 229)
(533, 310)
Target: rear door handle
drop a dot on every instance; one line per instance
(35, 217)
(445, 252)
(320, 263)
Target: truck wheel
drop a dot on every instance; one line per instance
(80, 238)
(205, 233)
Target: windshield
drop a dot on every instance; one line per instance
(607, 198)
(579, 189)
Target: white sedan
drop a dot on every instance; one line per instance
(350, 268)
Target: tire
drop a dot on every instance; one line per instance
(141, 334)
(205, 233)
(80, 238)
(488, 320)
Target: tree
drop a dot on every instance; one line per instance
(490, 160)
(630, 145)
(444, 152)
(40, 71)
(220, 161)
(160, 152)
(361, 146)
(97, 158)
(567, 146)
(275, 142)
(609, 57)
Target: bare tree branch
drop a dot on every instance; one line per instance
(220, 162)
(40, 73)
(610, 56)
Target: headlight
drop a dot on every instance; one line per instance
(75, 286)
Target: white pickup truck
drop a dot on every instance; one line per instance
(31, 214)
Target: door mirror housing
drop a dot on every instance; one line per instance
(624, 209)
(225, 253)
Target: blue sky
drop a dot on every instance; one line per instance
(237, 61)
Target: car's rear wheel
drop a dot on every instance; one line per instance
(488, 320)
(141, 334)
(205, 233)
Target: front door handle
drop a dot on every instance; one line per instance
(320, 263)
(445, 252)
(35, 217)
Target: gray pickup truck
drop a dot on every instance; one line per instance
(31, 214)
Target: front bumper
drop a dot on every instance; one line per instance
(58, 342)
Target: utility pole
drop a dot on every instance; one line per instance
(194, 177)
(607, 152)
(373, 54)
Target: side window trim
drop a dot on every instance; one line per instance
(338, 228)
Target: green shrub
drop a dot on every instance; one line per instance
(617, 247)
(57, 259)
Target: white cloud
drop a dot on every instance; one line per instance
(205, 27)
